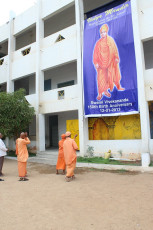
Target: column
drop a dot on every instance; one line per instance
(83, 123)
(143, 105)
(11, 49)
(40, 118)
(41, 132)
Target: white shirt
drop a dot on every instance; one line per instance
(3, 148)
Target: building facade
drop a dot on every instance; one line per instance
(41, 51)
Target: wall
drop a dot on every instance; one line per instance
(51, 7)
(25, 20)
(61, 74)
(145, 18)
(62, 118)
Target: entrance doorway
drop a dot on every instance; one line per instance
(53, 131)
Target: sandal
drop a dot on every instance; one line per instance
(1, 180)
(68, 179)
(25, 179)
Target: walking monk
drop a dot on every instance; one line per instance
(106, 61)
(22, 155)
(70, 156)
(61, 162)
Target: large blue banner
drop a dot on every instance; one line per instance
(109, 65)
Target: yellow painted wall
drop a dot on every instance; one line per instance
(73, 127)
(115, 128)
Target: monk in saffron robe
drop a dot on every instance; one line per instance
(70, 156)
(61, 162)
(22, 155)
(106, 61)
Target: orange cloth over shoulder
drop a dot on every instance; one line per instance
(21, 149)
(70, 148)
(61, 162)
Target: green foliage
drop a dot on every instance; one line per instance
(12, 154)
(151, 164)
(101, 160)
(90, 151)
(15, 113)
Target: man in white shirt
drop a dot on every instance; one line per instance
(3, 150)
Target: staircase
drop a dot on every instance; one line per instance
(47, 157)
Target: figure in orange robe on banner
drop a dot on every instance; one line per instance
(22, 155)
(61, 162)
(70, 156)
(106, 61)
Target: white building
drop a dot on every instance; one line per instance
(34, 56)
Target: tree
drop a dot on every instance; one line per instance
(15, 113)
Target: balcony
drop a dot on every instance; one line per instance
(57, 53)
(4, 32)
(51, 102)
(23, 65)
(32, 100)
(25, 20)
(3, 70)
(148, 77)
(52, 7)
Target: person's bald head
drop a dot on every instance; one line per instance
(22, 135)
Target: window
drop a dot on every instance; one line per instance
(47, 85)
(64, 84)
(148, 54)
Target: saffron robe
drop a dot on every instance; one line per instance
(22, 155)
(70, 156)
(61, 161)
(108, 73)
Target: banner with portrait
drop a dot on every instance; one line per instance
(109, 65)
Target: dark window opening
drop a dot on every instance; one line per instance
(148, 54)
(47, 85)
(64, 84)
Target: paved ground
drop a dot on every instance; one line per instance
(96, 200)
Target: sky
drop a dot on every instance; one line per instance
(17, 6)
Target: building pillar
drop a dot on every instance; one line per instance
(143, 105)
(11, 49)
(41, 132)
(83, 123)
(40, 124)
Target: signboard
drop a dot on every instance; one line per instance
(109, 65)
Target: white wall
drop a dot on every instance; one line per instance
(62, 74)
(25, 20)
(127, 147)
(49, 102)
(60, 53)
(63, 117)
(145, 18)
(51, 7)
